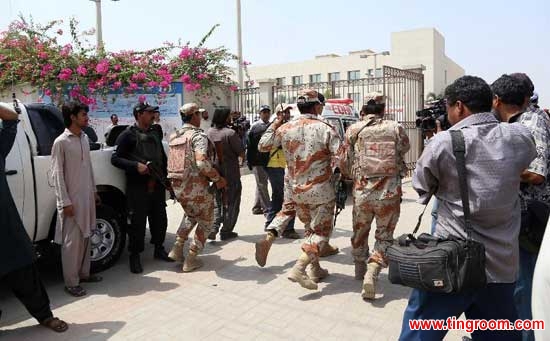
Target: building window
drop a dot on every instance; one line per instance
(280, 81)
(316, 78)
(356, 97)
(378, 72)
(334, 76)
(370, 73)
(355, 74)
(297, 80)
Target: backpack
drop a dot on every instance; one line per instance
(253, 156)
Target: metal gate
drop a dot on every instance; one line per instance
(404, 90)
(247, 101)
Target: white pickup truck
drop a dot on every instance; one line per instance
(29, 178)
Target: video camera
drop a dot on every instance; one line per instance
(427, 117)
(240, 125)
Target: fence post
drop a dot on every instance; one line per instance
(266, 91)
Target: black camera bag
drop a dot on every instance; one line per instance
(450, 265)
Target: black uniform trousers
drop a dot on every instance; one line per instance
(26, 285)
(143, 205)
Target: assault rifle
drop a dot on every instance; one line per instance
(341, 189)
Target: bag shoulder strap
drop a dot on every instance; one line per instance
(459, 150)
(355, 137)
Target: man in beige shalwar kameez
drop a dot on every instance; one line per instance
(76, 197)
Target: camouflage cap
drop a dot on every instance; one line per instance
(188, 109)
(375, 96)
(308, 96)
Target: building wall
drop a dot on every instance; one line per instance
(409, 49)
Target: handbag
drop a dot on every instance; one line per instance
(441, 265)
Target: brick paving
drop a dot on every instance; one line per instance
(230, 298)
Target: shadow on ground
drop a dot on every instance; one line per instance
(96, 331)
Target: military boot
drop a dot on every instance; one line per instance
(262, 248)
(316, 272)
(192, 262)
(177, 250)
(298, 273)
(371, 277)
(328, 250)
(360, 269)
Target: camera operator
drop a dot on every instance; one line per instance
(240, 124)
(18, 269)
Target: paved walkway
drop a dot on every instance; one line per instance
(229, 298)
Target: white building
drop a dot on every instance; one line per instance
(421, 48)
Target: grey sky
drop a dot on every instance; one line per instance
(487, 38)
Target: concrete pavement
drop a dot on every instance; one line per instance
(230, 297)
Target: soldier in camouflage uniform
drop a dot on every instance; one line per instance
(309, 145)
(373, 158)
(190, 171)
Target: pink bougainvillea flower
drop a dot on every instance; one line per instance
(164, 84)
(102, 67)
(186, 79)
(45, 69)
(65, 74)
(81, 70)
(202, 76)
(42, 55)
(117, 67)
(66, 50)
(142, 98)
(133, 86)
(47, 92)
(233, 88)
(117, 85)
(185, 53)
(152, 84)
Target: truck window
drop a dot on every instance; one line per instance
(47, 124)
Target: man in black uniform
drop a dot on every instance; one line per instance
(141, 155)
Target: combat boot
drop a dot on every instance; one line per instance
(177, 250)
(371, 277)
(360, 269)
(192, 262)
(298, 273)
(316, 272)
(262, 248)
(328, 250)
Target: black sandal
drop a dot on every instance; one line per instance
(55, 324)
(77, 291)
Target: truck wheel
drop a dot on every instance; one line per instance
(107, 241)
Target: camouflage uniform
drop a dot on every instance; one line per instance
(309, 144)
(190, 169)
(373, 158)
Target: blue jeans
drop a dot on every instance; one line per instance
(495, 301)
(277, 179)
(523, 290)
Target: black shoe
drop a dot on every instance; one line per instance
(257, 211)
(212, 235)
(228, 235)
(161, 254)
(135, 264)
(291, 234)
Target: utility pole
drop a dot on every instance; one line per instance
(239, 46)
